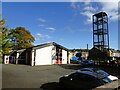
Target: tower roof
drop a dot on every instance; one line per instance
(100, 14)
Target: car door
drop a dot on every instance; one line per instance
(73, 80)
(77, 80)
(89, 81)
(81, 80)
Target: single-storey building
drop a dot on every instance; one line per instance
(44, 54)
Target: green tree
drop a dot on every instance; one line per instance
(22, 38)
(5, 44)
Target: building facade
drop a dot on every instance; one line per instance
(44, 54)
(83, 53)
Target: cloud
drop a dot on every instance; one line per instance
(40, 36)
(108, 1)
(51, 29)
(88, 14)
(46, 26)
(111, 8)
(41, 25)
(73, 5)
(87, 9)
(74, 0)
(41, 20)
(87, 2)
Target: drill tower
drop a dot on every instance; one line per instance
(100, 31)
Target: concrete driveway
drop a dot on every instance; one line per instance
(41, 77)
(23, 76)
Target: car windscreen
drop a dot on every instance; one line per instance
(102, 72)
(106, 80)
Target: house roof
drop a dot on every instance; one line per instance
(49, 44)
(21, 50)
(41, 46)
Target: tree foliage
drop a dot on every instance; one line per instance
(18, 37)
(22, 38)
(5, 44)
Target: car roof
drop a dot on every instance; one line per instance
(89, 71)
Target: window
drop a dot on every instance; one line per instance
(81, 77)
(102, 72)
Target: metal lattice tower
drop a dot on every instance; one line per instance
(100, 31)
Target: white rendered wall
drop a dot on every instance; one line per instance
(43, 56)
(16, 61)
(32, 62)
(6, 59)
(64, 57)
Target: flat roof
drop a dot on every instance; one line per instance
(98, 15)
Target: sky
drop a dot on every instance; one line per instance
(66, 23)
